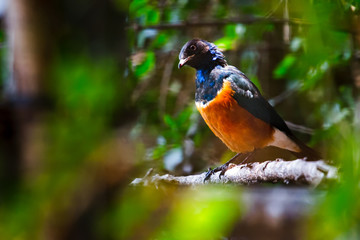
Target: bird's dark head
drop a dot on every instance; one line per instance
(201, 54)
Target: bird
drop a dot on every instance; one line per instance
(234, 109)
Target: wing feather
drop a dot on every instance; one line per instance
(249, 97)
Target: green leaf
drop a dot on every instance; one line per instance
(152, 16)
(207, 213)
(232, 33)
(146, 65)
(284, 66)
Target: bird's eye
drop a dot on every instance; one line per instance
(193, 47)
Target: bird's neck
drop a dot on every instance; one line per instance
(207, 85)
(202, 76)
(203, 73)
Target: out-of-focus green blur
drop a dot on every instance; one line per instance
(91, 98)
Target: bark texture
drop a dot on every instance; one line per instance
(298, 171)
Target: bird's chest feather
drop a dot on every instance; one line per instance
(234, 125)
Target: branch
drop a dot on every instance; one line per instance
(214, 23)
(297, 171)
(299, 128)
(240, 20)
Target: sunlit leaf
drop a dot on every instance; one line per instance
(207, 213)
(146, 65)
(284, 66)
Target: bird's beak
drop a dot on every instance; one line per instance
(183, 61)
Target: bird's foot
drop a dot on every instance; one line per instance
(223, 168)
(209, 173)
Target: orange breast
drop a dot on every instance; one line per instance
(236, 127)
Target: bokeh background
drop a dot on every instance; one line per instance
(91, 97)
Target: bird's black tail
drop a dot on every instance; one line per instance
(308, 152)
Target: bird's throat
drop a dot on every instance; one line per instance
(207, 85)
(202, 76)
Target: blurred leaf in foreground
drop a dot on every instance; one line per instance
(207, 212)
(338, 216)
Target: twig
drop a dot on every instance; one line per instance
(286, 27)
(299, 128)
(284, 95)
(272, 11)
(281, 97)
(241, 20)
(297, 171)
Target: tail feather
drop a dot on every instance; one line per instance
(308, 152)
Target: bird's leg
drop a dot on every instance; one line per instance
(221, 168)
(248, 156)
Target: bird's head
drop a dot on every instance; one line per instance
(200, 54)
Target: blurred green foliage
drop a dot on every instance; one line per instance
(145, 13)
(178, 126)
(174, 213)
(147, 64)
(196, 210)
(338, 216)
(232, 34)
(84, 101)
